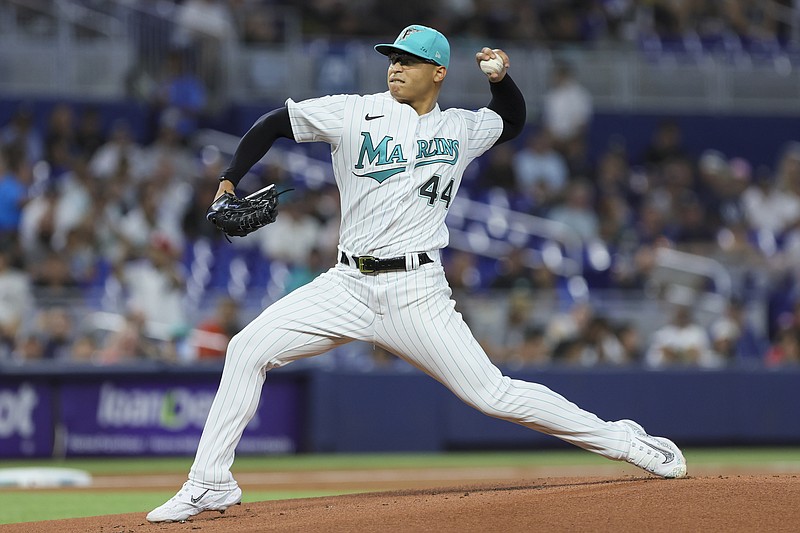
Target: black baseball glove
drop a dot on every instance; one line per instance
(237, 217)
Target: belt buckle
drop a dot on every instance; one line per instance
(366, 264)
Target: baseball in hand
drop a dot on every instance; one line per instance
(492, 66)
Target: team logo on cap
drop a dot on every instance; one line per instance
(408, 33)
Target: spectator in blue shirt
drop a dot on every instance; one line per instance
(13, 193)
(181, 97)
(22, 133)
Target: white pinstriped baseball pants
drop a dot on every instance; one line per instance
(408, 313)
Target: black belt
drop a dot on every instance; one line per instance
(367, 264)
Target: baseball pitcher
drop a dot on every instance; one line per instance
(398, 160)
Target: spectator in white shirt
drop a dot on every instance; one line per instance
(567, 107)
(295, 220)
(540, 170)
(155, 286)
(577, 210)
(16, 302)
(120, 149)
(682, 342)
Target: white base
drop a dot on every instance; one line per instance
(34, 477)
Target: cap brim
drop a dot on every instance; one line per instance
(387, 49)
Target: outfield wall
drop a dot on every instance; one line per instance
(68, 411)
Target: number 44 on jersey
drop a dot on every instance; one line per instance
(430, 190)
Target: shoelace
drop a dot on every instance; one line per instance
(183, 489)
(649, 460)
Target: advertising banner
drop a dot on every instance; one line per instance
(115, 417)
(26, 420)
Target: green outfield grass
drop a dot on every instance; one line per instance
(28, 506)
(24, 505)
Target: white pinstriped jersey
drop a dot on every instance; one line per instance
(397, 172)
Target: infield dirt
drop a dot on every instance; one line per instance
(724, 503)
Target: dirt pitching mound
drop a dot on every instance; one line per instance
(719, 503)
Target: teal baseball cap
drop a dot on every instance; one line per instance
(420, 41)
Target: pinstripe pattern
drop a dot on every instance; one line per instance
(280, 334)
(383, 156)
(410, 314)
(389, 219)
(426, 331)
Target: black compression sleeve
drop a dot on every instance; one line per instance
(508, 102)
(257, 141)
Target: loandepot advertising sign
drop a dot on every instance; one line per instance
(114, 418)
(26, 420)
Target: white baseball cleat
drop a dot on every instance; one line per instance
(657, 455)
(192, 500)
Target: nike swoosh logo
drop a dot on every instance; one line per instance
(367, 117)
(668, 455)
(195, 500)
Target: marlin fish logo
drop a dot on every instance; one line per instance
(409, 32)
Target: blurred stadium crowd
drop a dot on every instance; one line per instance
(546, 22)
(107, 258)
(556, 22)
